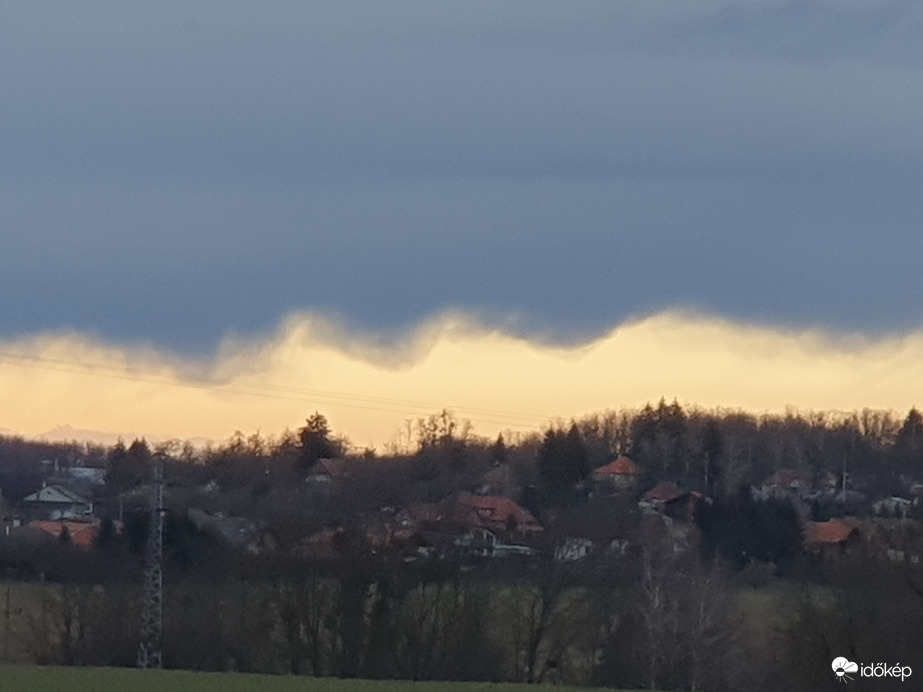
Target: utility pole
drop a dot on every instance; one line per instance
(149, 650)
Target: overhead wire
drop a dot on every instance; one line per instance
(513, 420)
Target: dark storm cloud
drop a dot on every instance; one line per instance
(174, 171)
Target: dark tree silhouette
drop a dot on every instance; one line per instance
(562, 462)
(742, 530)
(910, 436)
(315, 441)
(128, 467)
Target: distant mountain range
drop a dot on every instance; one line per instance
(68, 433)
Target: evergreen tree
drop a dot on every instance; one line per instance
(498, 450)
(562, 462)
(128, 467)
(908, 446)
(315, 441)
(910, 436)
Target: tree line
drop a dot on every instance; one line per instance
(744, 608)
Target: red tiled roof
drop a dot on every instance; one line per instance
(829, 532)
(81, 533)
(663, 492)
(496, 510)
(623, 466)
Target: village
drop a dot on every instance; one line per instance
(639, 549)
(485, 522)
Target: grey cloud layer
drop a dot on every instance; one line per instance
(173, 171)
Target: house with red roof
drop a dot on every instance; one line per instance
(80, 533)
(620, 475)
(495, 513)
(829, 537)
(670, 500)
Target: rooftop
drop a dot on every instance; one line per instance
(623, 466)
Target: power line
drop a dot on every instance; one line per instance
(280, 392)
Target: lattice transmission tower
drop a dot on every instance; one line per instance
(149, 650)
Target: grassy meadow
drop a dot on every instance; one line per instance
(52, 679)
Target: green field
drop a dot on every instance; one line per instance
(52, 679)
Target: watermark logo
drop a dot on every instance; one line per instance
(843, 667)
(845, 670)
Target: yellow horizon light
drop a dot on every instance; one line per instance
(498, 381)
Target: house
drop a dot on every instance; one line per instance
(327, 475)
(391, 530)
(478, 542)
(671, 501)
(798, 485)
(495, 513)
(493, 526)
(893, 507)
(369, 535)
(57, 502)
(80, 533)
(830, 537)
(422, 529)
(661, 495)
(573, 548)
(620, 475)
(601, 528)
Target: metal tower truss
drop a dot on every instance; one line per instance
(149, 650)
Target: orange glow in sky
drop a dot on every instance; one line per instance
(496, 381)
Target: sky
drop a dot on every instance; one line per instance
(216, 216)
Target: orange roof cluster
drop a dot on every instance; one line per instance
(623, 466)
